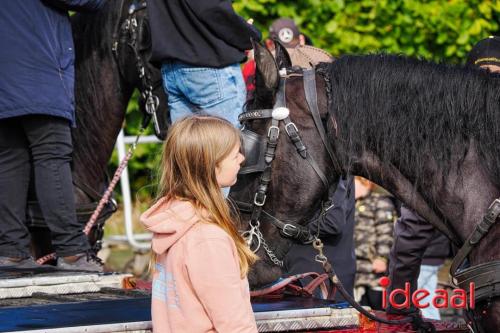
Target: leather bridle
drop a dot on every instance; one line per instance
(127, 34)
(280, 115)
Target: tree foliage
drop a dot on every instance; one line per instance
(438, 30)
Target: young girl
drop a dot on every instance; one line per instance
(200, 260)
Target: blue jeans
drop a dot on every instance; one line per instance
(428, 280)
(202, 90)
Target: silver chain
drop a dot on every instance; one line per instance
(255, 233)
(270, 253)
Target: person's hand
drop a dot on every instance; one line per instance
(250, 21)
(379, 265)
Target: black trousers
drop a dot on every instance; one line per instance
(37, 145)
(412, 235)
(372, 298)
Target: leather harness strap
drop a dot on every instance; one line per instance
(312, 101)
(485, 276)
(289, 230)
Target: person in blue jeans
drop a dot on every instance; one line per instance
(435, 254)
(199, 45)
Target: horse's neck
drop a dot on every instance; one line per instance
(100, 114)
(369, 165)
(460, 199)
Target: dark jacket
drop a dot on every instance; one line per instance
(412, 236)
(206, 33)
(438, 247)
(336, 233)
(37, 57)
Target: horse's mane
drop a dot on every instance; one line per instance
(415, 111)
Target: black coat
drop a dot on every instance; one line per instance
(206, 33)
(412, 237)
(336, 234)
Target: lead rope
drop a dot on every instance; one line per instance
(415, 320)
(105, 198)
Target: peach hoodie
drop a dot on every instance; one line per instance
(196, 284)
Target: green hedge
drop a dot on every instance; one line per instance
(442, 30)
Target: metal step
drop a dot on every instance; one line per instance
(25, 283)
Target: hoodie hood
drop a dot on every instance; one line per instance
(169, 221)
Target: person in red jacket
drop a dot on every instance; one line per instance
(286, 31)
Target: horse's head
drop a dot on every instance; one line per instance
(132, 50)
(290, 188)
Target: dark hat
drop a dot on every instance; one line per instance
(485, 52)
(285, 31)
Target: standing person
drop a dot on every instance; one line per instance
(199, 45)
(37, 109)
(200, 260)
(486, 54)
(298, 46)
(286, 31)
(435, 254)
(375, 214)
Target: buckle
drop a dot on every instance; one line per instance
(495, 202)
(294, 128)
(257, 203)
(290, 227)
(273, 128)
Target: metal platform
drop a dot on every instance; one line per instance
(46, 302)
(131, 312)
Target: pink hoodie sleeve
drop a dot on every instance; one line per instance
(215, 275)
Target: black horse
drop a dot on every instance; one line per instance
(426, 132)
(112, 50)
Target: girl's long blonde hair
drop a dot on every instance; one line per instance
(193, 149)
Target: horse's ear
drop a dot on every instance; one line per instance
(282, 57)
(266, 70)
